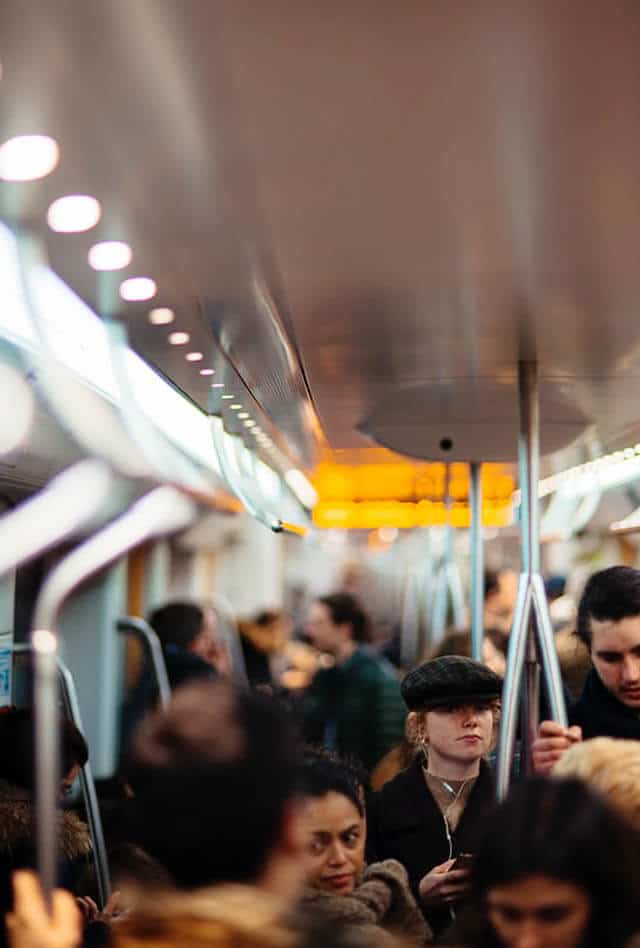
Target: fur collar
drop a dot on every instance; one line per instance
(17, 825)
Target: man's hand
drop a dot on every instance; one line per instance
(552, 742)
(443, 885)
(31, 926)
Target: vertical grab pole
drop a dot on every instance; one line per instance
(529, 468)
(45, 647)
(532, 634)
(477, 562)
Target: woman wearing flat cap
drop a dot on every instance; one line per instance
(430, 814)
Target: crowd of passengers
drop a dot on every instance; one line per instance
(359, 812)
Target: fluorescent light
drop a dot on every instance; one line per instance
(301, 487)
(249, 423)
(110, 255)
(138, 288)
(242, 414)
(28, 157)
(194, 357)
(161, 316)
(206, 371)
(227, 396)
(235, 407)
(73, 214)
(179, 338)
(603, 473)
(219, 385)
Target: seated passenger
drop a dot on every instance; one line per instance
(17, 786)
(433, 811)
(556, 868)
(189, 640)
(338, 884)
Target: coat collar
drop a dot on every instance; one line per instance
(415, 806)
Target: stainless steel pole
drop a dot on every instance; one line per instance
(477, 561)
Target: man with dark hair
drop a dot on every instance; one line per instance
(214, 778)
(189, 640)
(354, 706)
(609, 625)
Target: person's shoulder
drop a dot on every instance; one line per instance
(397, 787)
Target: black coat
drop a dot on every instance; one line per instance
(405, 823)
(600, 714)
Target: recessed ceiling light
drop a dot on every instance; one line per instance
(194, 357)
(235, 407)
(219, 385)
(242, 414)
(28, 157)
(73, 214)
(206, 371)
(161, 316)
(179, 338)
(228, 396)
(138, 288)
(110, 255)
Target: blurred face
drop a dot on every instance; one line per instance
(539, 912)
(67, 782)
(493, 657)
(208, 645)
(323, 632)
(334, 854)
(460, 733)
(615, 653)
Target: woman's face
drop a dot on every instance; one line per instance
(462, 733)
(334, 852)
(539, 912)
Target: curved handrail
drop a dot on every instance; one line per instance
(164, 510)
(143, 631)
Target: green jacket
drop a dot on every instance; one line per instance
(355, 708)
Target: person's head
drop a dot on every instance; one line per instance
(337, 621)
(17, 740)
(609, 624)
(187, 625)
(611, 767)
(214, 779)
(500, 590)
(333, 795)
(269, 631)
(453, 703)
(458, 642)
(556, 868)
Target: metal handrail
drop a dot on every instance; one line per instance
(72, 710)
(164, 510)
(132, 625)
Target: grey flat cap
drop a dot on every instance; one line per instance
(450, 679)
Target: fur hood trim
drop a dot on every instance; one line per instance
(382, 898)
(17, 825)
(216, 917)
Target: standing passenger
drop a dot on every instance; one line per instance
(432, 812)
(609, 625)
(355, 706)
(556, 868)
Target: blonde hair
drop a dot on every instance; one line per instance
(611, 767)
